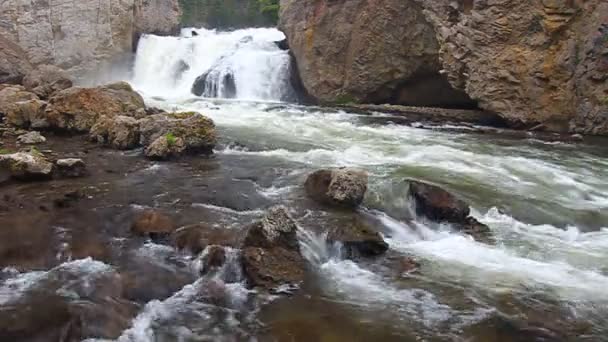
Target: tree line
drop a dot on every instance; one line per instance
(229, 14)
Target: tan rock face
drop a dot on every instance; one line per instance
(364, 51)
(83, 36)
(533, 62)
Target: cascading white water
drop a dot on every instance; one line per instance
(257, 67)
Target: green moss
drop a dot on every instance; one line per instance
(5, 151)
(171, 139)
(36, 152)
(346, 99)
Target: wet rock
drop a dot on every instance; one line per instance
(46, 80)
(31, 138)
(71, 167)
(437, 204)
(408, 265)
(215, 83)
(26, 166)
(153, 224)
(68, 199)
(502, 328)
(120, 132)
(195, 238)
(77, 109)
(213, 258)
(271, 254)
(358, 239)
(173, 134)
(337, 187)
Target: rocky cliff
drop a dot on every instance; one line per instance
(83, 36)
(540, 64)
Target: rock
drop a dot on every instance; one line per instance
(408, 265)
(172, 134)
(14, 63)
(19, 106)
(26, 166)
(358, 239)
(532, 62)
(366, 52)
(84, 37)
(120, 132)
(71, 167)
(31, 138)
(437, 204)
(46, 80)
(337, 187)
(215, 83)
(195, 238)
(78, 109)
(153, 224)
(213, 258)
(270, 254)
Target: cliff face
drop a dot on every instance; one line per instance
(365, 51)
(81, 36)
(534, 62)
(541, 63)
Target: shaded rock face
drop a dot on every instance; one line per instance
(533, 62)
(337, 187)
(83, 36)
(361, 51)
(46, 80)
(271, 253)
(14, 63)
(439, 205)
(214, 83)
(358, 239)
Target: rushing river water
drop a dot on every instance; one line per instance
(546, 205)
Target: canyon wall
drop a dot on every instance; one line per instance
(83, 36)
(540, 64)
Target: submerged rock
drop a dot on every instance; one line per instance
(337, 187)
(71, 168)
(31, 138)
(439, 205)
(195, 238)
(358, 239)
(77, 109)
(26, 166)
(171, 134)
(213, 258)
(153, 224)
(271, 254)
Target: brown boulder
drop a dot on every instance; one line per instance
(78, 109)
(437, 204)
(337, 187)
(46, 80)
(358, 239)
(271, 253)
(213, 258)
(120, 132)
(195, 238)
(21, 107)
(152, 224)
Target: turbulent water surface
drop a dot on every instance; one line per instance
(546, 204)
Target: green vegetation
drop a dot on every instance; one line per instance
(171, 139)
(35, 151)
(5, 151)
(229, 14)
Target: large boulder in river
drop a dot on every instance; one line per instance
(78, 109)
(337, 187)
(26, 166)
(215, 83)
(358, 239)
(439, 205)
(46, 80)
(120, 132)
(271, 254)
(171, 134)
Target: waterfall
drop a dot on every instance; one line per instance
(244, 64)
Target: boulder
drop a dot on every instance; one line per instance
(31, 138)
(77, 109)
(46, 80)
(215, 83)
(337, 187)
(270, 253)
(212, 259)
(120, 132)
(19, 106)
(26, 166)
(358, 239)
(195, 238)
(152, 224)
(71, 168)
(14, 63)
(173, 134)
(437, 204)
